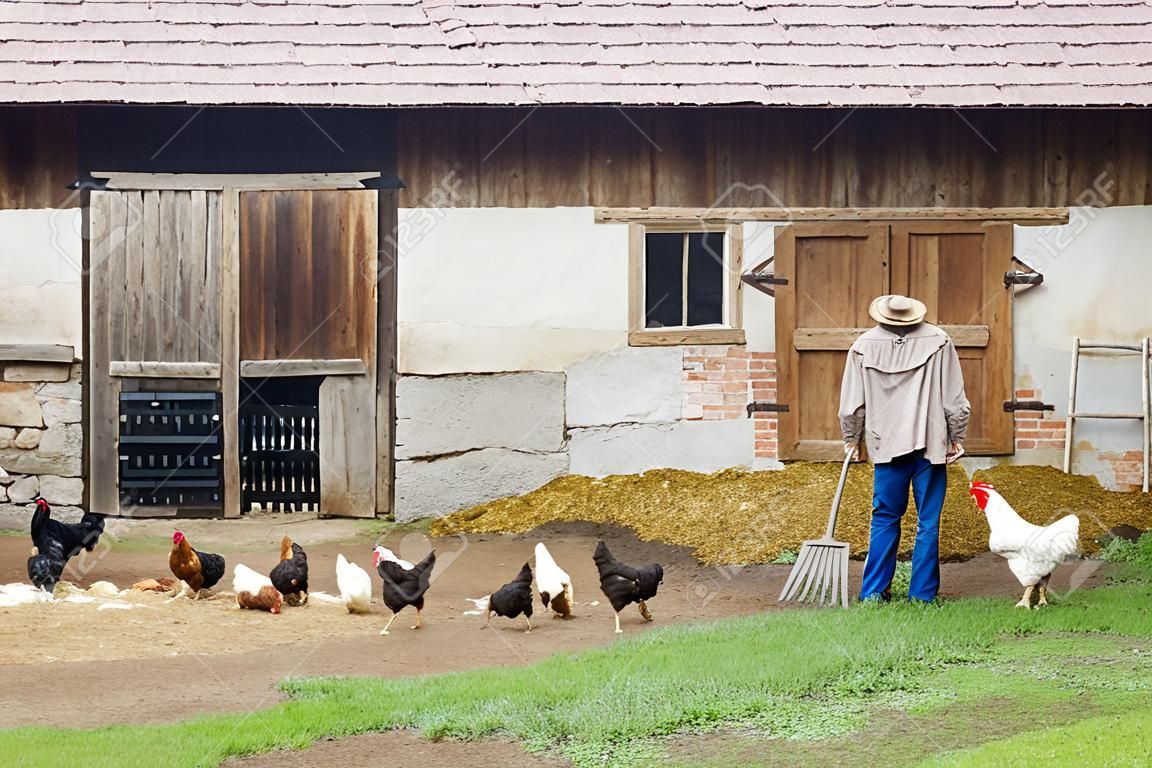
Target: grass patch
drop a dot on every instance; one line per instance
(803, 675)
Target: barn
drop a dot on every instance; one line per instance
(400, 258)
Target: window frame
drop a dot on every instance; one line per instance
(732, 332)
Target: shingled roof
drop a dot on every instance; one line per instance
(436, 52)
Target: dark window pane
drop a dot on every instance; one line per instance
(663, 279)
(705, 278)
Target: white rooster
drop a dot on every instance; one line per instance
(553, 583)
(355, 586)
(1032, 551)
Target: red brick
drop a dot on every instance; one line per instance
(1025, 445)
(1050, 444)
(737, 353)
(735, 386)
(763, 355)
(1027, 424)
(732, 398)
(1025, 394)
(735, 375)
(762, 375)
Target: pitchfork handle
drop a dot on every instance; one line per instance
(836, 498)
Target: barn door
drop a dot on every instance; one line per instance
(833, 271)
(308, 269)
(957, 269)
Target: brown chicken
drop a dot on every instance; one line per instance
(267, 599)
(198, 570)
(163, 584)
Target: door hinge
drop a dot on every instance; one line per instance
(761, 406)
(1011, 406)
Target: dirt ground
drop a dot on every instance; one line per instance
(75, 665)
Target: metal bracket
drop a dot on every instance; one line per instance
(762, 406)
(88, 182)
(1028, 276)
(1011, 406)
(769, 279)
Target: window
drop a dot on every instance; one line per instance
(685, 285)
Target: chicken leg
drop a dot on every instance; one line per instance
(618, 630)
(1043, 586)
(529, 620)
(644, 610)
(1026, 601)
(385, 630)
(419, 620)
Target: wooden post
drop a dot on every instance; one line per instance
(230, 347)
(105, 216)
(1071, 419)
(386, 269)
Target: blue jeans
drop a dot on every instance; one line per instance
(889, 503)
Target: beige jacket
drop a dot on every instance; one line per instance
(904, 394)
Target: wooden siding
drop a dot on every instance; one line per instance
(735, 157)
(307, 275)
(161, 252)
(37, 157)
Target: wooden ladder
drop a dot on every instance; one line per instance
(1143, 416)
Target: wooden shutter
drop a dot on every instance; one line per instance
(957, 269)
(834, 270)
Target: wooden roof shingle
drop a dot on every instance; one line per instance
(664, 52)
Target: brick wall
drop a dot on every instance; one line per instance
(1127, 469)
(716, 383)
(762, 374)
(1037, 430)
(720, 381)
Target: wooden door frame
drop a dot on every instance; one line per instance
(100, 447)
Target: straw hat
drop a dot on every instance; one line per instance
(897, 310)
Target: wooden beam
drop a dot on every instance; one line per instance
(105, 214)
(230, 347)
(37, 353)
(240, 181)
(386, 340)
(704, 216)
(668, 338)
(834, 339)
(269, 368)
(150, 369)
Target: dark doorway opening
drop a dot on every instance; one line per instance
(280, 443)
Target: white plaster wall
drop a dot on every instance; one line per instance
(1097, 285)
(759, 307)
(501, 289)
(40, 277)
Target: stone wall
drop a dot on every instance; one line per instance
(41, 438)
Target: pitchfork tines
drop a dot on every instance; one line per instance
(821, 571)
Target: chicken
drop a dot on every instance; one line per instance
(553, 583)
(355, 586)
(1032, 551)
(56, 543)
(254, 590)
(623, 584)
(404, 583)
(163, 584)
(198, 570)
(513, 599)
(43, 571)
(290, 576)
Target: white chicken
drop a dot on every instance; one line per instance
(553, 583)
(355, 586)
(1032, 551)
(254, 590)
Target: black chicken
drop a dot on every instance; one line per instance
(290, 576)
(404, 583)
(56, 543)
(623, 584)
(513, 599)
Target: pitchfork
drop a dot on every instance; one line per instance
(821, 570)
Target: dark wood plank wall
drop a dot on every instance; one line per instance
(37, 157)
(307, 269)
(770, 157)
(700, 157)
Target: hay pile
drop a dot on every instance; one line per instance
(736, 517)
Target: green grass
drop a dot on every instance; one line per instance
(810, 676)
